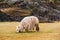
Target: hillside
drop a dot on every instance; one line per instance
(44, 10)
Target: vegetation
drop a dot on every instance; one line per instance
(1, 0)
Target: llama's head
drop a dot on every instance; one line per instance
(18, 29)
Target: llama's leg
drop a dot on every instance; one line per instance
(26, 29)
(37, 27)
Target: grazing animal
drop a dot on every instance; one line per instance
(28, 23)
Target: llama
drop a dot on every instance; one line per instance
(28, 23)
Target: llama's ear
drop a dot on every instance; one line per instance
(17, 26)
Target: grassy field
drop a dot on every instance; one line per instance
(48, 31)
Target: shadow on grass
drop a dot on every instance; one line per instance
(49, 31)
(27, 32)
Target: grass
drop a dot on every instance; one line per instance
(48, 31)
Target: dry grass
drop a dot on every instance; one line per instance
(48, 31)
